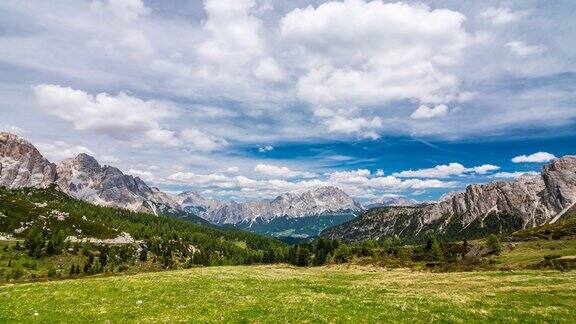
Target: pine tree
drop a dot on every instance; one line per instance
(436, 251)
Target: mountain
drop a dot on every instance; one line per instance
(389, 201)
(82, 177)
(21, 165)
(499, 206)
(319, 201)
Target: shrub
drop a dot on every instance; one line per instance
(493, 242)
(551, 257)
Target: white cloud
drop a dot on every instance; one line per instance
(522, 49)
(146, 176)
(485, 168)
(359, 183)
(122, 117)
(359, 54)
(232, 169)
(539, 157)
(201, 141)
(361, 126)
(268, 70)
(60, 150)
(444, 171)
(266, 148)
(516, 174)
(424, 112)
(503, 15)
(281, 171)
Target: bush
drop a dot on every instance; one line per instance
(551, 257)
(342, 254)
(52, 272)
(493, 242)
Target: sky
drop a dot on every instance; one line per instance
(246, 99)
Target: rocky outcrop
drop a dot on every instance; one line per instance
(21, 165)
(84, 178)
(319, 201)
(498, 206)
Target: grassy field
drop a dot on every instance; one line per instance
(522, 254)
(287, 294)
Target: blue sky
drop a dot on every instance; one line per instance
(246, 99)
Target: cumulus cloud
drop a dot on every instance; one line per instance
(425, 112)
(202, 141)
(444, 171)
(361, 126)
(122, 117)
(281, 171)
(522, 49)
(359, 183)
(357, 53)
(538, 157)
(503, 15)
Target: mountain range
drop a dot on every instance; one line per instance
(22, 165)
(499, 206)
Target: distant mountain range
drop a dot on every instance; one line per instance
(22, 165)
(499, 206)
(494, 207)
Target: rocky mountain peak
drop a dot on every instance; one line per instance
(87, 162)
(482, 208)
(22, 165)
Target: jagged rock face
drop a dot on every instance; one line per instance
(319, 201)
(525, 202)
(84, 178)
(21, 165)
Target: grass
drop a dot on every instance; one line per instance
(286, 294)
(522, 254)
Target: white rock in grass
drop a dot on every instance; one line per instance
(139, 302)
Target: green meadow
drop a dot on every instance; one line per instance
(281, 293)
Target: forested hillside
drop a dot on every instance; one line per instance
(52, 223)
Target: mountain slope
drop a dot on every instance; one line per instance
(51, 210)
(494, 207)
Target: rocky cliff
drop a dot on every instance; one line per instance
(21, 165)
(498, 206)
(84, 178)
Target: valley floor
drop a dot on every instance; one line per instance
(280, 293)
